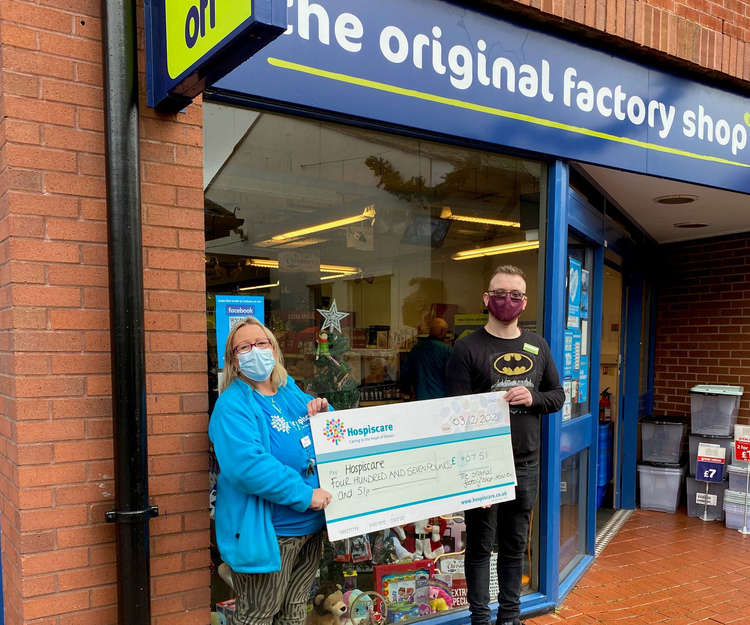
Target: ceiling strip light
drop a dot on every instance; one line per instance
(339, 269)
(260, 286)
(368, 213)
(506, 248)
(269, 263)
(338, 275)
(446, 213)
(263, 262)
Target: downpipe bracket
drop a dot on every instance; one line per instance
(136, 516)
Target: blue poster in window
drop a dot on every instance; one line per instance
(585, 276)
(231, 309)
(567, 353)
(583, 381)
(574, 292)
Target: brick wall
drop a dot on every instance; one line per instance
(55, 405)
(712, 34)
(703, 321)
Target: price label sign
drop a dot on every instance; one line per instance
(709, 470)
(742, 443)
(710, 464)
(742, 451)
(706, 499)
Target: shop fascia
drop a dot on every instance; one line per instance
(439, 66)
(464, 67)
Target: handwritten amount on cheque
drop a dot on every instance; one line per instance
(470, 469)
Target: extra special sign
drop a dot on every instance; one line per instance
(191, 43)
(440, 67)
(388, 465)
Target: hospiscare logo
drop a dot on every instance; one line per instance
(335, 431)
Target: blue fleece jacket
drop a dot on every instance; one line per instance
(251, 480)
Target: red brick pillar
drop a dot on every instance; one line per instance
(55, 405)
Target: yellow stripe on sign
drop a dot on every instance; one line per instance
(195, 27)
(530, 119)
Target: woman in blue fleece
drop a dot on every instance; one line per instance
(269, 519)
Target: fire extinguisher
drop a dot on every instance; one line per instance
(605, 406)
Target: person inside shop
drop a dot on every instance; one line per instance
(423, 373)
(269, 519)
(501, 356)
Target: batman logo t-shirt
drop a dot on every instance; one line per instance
(482, 362)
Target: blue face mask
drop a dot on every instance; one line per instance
(257, 364)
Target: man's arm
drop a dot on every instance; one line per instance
(550, 396)
(458, 371)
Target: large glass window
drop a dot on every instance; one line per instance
(306, 219)
(573, 504)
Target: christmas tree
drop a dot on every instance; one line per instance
(333, 379)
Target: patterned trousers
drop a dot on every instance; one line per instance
(280, 598)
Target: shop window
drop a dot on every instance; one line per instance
(379, 234)
(573, 504)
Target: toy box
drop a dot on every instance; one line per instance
(225, 609)
(405, 588)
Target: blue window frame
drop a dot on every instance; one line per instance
(569, 213)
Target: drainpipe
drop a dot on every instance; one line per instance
(132, 511)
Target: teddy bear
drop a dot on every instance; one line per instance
(328, 605)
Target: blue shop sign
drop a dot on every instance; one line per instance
(435, 66)
(191, 43)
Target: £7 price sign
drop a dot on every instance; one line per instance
(710, 465)
(709, 469)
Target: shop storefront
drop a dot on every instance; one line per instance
(366, 171)
(377, 164)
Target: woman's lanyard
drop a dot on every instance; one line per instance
(305, 442)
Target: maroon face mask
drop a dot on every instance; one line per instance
(504, 308)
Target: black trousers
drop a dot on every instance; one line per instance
(507, 525)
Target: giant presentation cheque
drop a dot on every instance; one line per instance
(399, 463)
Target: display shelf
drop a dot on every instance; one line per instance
(370, 352)
(380, 402)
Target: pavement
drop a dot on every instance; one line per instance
(663, 568)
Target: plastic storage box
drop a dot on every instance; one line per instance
(695, 439)
(660, 487)
(708, 509)
(737, 478)
(663, 439)
(713, 408)
(734, 509)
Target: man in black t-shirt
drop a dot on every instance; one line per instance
(502, 356)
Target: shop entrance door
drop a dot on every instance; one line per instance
(609, 396)
(580, 374)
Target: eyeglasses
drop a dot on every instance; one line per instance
(515, 296)
(243, 348)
